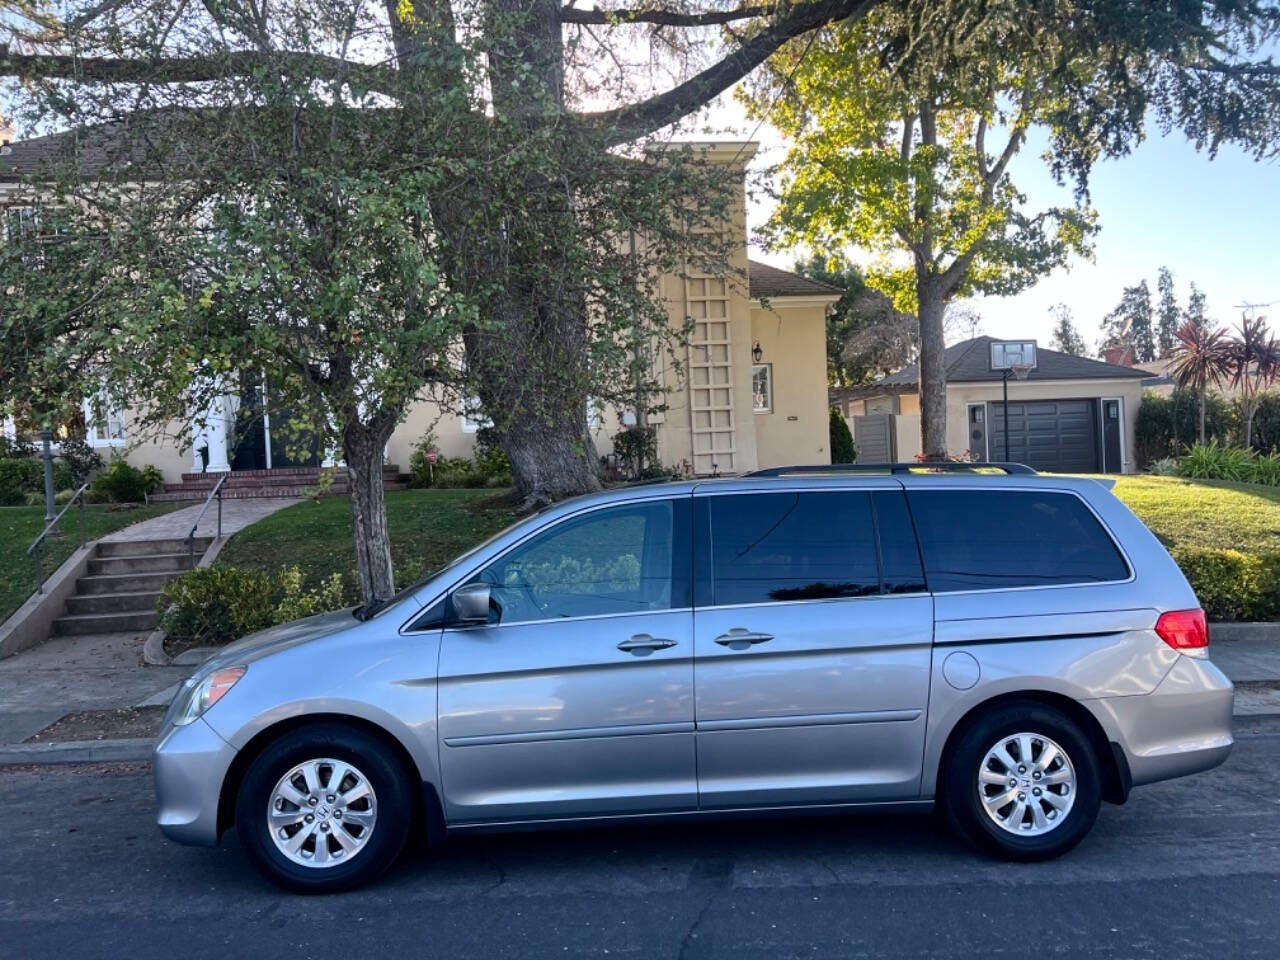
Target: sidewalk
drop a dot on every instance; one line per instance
(68, 674)
(71, 674)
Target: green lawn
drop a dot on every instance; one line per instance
(428, 529)
(20, 525)
(1205, 513)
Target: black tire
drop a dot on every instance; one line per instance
(964, 805)
(374, 760)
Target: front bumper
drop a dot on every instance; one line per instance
(189, 765)
(1183, 726)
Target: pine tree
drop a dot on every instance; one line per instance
(1066, 337)
(1168, 313)
(1130, 322)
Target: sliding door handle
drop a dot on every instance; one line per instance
(642, 644)
(739, 638)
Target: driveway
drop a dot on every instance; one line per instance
(1186, 869)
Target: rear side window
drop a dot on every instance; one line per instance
(899, 554)
(988, 539)
(792, 546)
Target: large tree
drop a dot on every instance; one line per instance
(375, 198)
(1130, 322)
(1065, 335)
(908, 153)
(1168, 316)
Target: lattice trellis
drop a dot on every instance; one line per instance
(711, 375)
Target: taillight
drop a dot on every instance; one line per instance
(1184, 629)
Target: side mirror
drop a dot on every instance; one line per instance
(471, 603)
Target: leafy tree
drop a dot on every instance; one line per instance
(842, 449)
(1065, 335)
(1195, 313)
(376, 199)
(1130, 322)
(840, 319)
(1168, 315)
(892, 153)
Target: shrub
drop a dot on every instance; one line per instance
(1212, 462)
(215, 605)
(1266, 469)
(1164, 467)
(20, 476)
(842, 449)
(1266, 422)
(636, 449)
(1232, 585)
(81, 460)
(1165, 425)
(122, 482)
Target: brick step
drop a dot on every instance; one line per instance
(112, 602)
(237, 475)
(135, 621)
(155, 563)
(144, 548)
(125, 582)
(241, 493)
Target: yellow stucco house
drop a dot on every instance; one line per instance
(750, 391)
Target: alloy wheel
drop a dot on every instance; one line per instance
(322, 813)
(1027, 784)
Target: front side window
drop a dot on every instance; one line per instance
(988, 539)
(619, 560)
(762, 387)
(792, 546)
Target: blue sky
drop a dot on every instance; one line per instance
(1216, 222)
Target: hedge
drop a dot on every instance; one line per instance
(1232, 585)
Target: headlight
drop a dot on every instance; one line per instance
(206, 693)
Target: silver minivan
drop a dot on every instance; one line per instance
(1008, 647)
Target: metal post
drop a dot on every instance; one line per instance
(84, 534)
(1004, 410)
(39, 570)
(219, 513)
(46, 436)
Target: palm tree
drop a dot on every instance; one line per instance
(1202, 357)
(1254, 363)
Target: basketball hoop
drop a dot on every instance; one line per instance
(1021, 370)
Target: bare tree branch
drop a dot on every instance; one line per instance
(626, 123)
(166, 70)
(664, 18)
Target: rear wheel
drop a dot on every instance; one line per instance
(1022, 783)
(324, 808)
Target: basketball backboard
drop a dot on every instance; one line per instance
(1012, 354)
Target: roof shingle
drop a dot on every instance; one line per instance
(767, 281)
(970, 362)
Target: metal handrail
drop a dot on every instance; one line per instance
(33, 551)
(927, 466)
(190, 541)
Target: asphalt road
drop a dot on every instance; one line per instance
(1185, 869)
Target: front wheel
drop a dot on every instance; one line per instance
(324, 808)
(1022, 783)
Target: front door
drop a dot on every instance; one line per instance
(576, 699)
(813, 643)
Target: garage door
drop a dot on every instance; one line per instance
(1055, 435)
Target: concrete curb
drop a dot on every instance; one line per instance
(153, 652)
(1230, 632)
(87, 751)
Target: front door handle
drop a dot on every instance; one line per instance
(740, 638)
(642, 644)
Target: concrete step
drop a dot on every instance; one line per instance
(136, 621)
(238, 493)
(125, 583)
(146, 548)
(155, 563)
(112, 602)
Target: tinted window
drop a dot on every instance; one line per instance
(983, 539)
(899, 554)
(792, 546)
(613, 561)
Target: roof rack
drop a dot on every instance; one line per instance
(941, 466)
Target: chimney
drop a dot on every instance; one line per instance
(7, 133)
(1120, 354)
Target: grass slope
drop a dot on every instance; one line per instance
(428, 528)
(20, 525)
(1205, 513)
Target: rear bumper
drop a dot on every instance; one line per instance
(1183, 726)
(189, 766)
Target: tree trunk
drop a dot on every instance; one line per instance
(363, 445)
(546, 462)
(933, 373)
(1203, 392)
